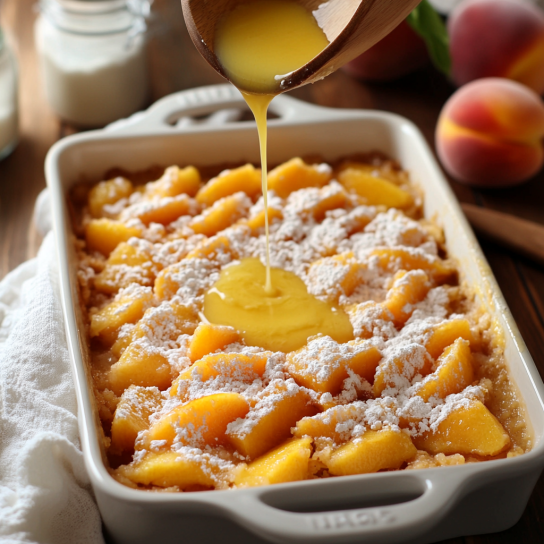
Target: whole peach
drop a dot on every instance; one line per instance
(497, 38)
(402, 51)
(489, 133)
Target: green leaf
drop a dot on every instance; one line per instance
(430, 26)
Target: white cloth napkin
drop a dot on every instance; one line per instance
(45, 495)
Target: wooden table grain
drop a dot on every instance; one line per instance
(175, 65)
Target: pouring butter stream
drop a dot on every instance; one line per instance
(258, 44)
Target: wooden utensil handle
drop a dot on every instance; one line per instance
(521, 235)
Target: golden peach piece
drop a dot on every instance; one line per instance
(373, 451)
(344, 268)
(126, 264)
(235, 366)
(132, 415)
(208, 338)
(140, 364)
(286, 463)
(200, 422)
(408, 289)
(128, 306)
(469, 429)
(169, 469)
(105, 235)
(453, 374)
(376, 191)
(282, 408)
(246, 179)
(222, 214)
(175, 181)
(296, 174)
(165, 210)
(106, 193)
(395, 259)
(257, 222)
(401, 368)
(444, 334)
(326, 373)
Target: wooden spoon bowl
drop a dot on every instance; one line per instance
(351, 26)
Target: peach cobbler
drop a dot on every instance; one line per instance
(367, 353)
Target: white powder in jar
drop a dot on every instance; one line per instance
(90, 81)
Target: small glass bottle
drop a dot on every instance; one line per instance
(9, 114)
(93, 58)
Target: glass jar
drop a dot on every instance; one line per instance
(9, 114)
(93, 58)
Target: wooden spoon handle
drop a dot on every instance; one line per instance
(521, 235)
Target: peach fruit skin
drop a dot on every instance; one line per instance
(402, 51)
(497, 38)
(489, 133)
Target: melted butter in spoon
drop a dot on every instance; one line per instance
(282, 321)
(260, 42)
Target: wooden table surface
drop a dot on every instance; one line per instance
(176, 65)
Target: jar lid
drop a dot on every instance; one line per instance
(96, 17)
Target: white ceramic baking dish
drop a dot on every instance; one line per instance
(412, 506)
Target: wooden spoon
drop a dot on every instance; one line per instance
(351, 26)
(521, 235)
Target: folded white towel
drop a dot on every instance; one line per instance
(45, 496)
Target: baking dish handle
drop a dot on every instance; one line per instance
(164, 114)
(387, 524)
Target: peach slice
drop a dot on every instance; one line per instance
(453, 374)
(246, 179)
(469, 429)
(373, 451)
(286, 463)
(200, 422)
(296, 174)
(208, 338)
(105, 235)
(132, 415)
(269, 422)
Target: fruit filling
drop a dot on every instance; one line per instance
(370, 352)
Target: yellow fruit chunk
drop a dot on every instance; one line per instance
(258, 222)
(108, 192)
(286, 463)
(208, 338)
(401, 368)
(375, 190)
(373, 451)
(140, 364)
(469, 429)
(269, 422)
(342, 270)
(408, 289)
(224, 213)
(444, 334)
(165, 210)
(395, 259)
(169, 469)
(235, 366)
(453, 374)
(175, 181)
(164, 322)
(210, 248)
(128, 306)
(320, 201)
(126, 264)
(296, 174)
(323, 365)
(132, 415)
(245, 179)
(200, 422)
(324, 425)
(105, 235)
